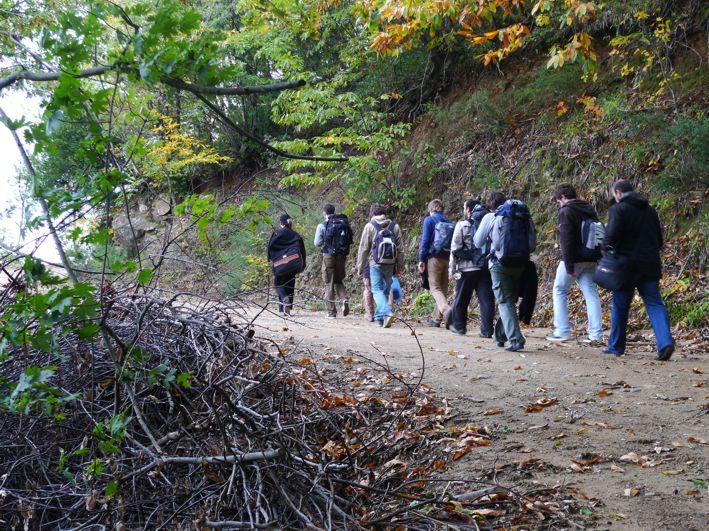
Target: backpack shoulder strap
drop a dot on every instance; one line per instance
(375, 225)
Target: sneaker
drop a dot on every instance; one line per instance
(388, 321)
(514, 347)
(592, 342)
(433, 323)
(666, 353)
(500, 344)
(456, 331)
(345, 309)
(330, 316)
(448, 319)
(378, 322)
(558, 339)
(485, 336)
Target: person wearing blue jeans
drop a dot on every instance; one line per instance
(634, 232)
(578, 263)
(380, 273)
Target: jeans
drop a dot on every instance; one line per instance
(562, 283)
(380, 276)
(480, 282)
(285, 287)
(505, 286)
(649, 290)
(333, 275)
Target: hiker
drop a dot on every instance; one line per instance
(468, 264)
(513, 238)
(380, 246)
(286, 252)
(634, 233)
(433, 258)
(367, 297)
(334, 236)
(580, 240)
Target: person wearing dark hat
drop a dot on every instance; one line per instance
(286, 252)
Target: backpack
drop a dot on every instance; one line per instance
(384, 245)
(338, 235)
(442, 238)
(478, 256)
(514, 226)
(289, 261)
(592, 234)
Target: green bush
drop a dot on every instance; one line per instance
(548, 87)
(423, 304)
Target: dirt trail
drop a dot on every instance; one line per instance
(607, 406)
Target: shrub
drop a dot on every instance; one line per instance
(423, 304)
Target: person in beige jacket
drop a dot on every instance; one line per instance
(381, 247)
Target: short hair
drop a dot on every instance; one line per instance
(623, 185)
(329, 209)
(435, 205)
(471, 203)
(377, 210)
(495, 200)
(566, 190)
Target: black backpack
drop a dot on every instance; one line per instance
(478, 256)
(514, 233)
(338, 235)
(384, 245)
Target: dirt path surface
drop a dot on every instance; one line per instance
(628, 431)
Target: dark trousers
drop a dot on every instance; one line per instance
(285, 287)
(480, 282)
(333, 276)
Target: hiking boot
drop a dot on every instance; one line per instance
(485, 336)
(388, 320)
(557, 339)
(456, 330)
(345, 308)
(666, 353)
(514, 347)
(606, 350)
(433, 323)
(500, 344)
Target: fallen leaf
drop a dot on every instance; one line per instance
(631, 492)
(305, 361)
(488, 412)
(698, 384)
(691, 492)
(560, 436)
(599, 424)
(672, 472)
(618, 516)
(632, 457)
(616, 468)
(438, 464)
(697, 370)
(516, 367)
(488, 512)
(460, 453)
(533, 408)
(576, 467)
(696, 440)
(603, 393)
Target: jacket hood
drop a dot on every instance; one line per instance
(382, 220)
(635, 199)
(583, 208)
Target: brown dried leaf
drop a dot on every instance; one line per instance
(460, 453)
(488, 512)
(616, 468)
(488, 412)
(697, 370)
(577, 467)
(672, 472)
(603, 393)
(691, 492)
(631, 492)
(696, 440)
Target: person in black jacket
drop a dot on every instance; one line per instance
(576, 265)
(634, 232)
(283, 241)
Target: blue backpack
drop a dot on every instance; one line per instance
(442, 238)
(514, 227)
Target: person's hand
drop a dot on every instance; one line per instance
(450, 277)
(422, 267)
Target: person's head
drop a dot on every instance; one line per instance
(328, 210)
(468, 206)
(495, 200)
(377, 210)
(286, 220)
(435, 205)
(621, 187)
(563, 193)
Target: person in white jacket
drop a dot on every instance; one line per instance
(468, 265)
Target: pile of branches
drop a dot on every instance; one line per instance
(179, 418)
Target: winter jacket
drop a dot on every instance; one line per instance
(570, 217)
(634, 231)
(364, 254)
(461, 240)
(281, 240)
(429, 231)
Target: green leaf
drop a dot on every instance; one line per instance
(699, 483)
(88, 331)
(145, 276)
(184, 380)
(111, 488)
